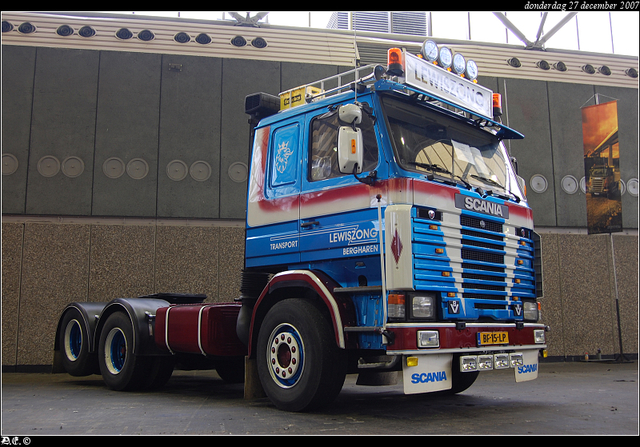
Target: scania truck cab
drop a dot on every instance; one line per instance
(392, 205)
(387, 234)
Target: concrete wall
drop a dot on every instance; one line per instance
(150, 135)
(47, 265)
(579, 301)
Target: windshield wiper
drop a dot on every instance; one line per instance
(494, 183)
(436, 168)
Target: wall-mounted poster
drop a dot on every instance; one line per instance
(602, 167)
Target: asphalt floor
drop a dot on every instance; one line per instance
(568, 398)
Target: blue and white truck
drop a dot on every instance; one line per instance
(387, 234)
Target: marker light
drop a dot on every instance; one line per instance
(395, 62)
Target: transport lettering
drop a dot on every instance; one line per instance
(283, 245)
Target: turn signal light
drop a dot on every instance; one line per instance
(396, 306)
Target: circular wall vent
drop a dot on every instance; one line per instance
(64, 30)
(124, 34)
(238, 41)
(538, 183)
(48, 166)
(146, 35)
(259, 42)
(182, 38)
(87, 31)
(27, 28)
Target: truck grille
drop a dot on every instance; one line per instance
(490, 276)
(483, 250)
(597, 184)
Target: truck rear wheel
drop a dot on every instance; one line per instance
(299, 365)
(74, 344)
(120, 369)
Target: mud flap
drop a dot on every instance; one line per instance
(428, 373)
(529, 368)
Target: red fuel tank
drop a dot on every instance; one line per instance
(207, 329)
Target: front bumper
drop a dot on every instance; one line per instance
(464, 348)
(465, 338)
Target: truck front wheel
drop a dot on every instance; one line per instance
(299, 364)
(461, 380)
(120, 369)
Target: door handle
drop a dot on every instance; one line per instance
(309, 224)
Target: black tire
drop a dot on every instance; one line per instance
(230, 369)
(160, 371)
(74, 345)
(120, 369)
(299, 365)
(461, 380)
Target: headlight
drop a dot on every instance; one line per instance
(428, 339)
(530, 310)
(501, 361)
(423, 307)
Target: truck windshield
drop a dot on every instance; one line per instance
(427, 142)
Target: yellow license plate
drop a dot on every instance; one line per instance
(493, 338)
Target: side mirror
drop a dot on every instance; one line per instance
(350, 114)
(350, 150)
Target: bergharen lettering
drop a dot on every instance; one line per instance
(359, 249)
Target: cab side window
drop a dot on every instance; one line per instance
(323, 150)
